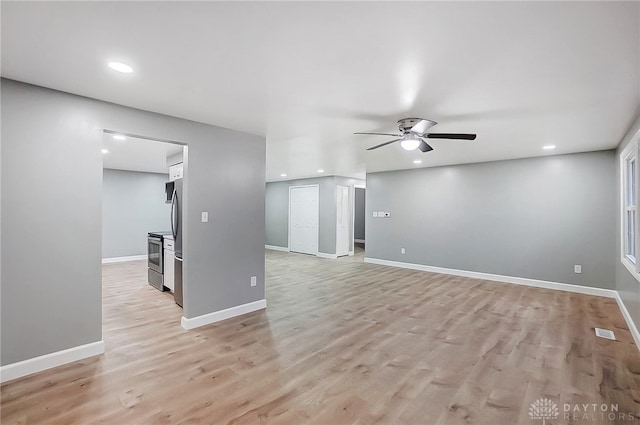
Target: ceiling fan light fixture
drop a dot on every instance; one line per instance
(410, 143)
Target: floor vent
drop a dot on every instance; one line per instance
(605, 333)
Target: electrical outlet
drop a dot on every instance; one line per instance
(380, 213)
(205, 216)
(402, 251)
(253, 281)
(577, 268)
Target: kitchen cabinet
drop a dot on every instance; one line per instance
(169, 266)
(175, 171)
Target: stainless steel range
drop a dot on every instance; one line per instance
(155, 259)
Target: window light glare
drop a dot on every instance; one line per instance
(283, 175)
(119, 137)
(105, 151)
(321, 170)
(417, 161)
(120, 67)
(548, 147)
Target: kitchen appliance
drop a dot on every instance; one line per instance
(155, 259)
(169, 187)
(176, 229)
(177, 291)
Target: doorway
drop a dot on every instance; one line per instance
(303, 219)
(359, 219)
(141, 255)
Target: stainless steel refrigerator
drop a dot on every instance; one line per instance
(176, 228)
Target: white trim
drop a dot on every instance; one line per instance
(317, 186)
(277, 248)
(227, 313)
(339, 213)
(123, 259)
(38, 364)
(627, 317)
(630, 150)
(359, 240)
(600, 292)
(325, 255)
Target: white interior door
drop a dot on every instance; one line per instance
(343, 220)
(303, 219)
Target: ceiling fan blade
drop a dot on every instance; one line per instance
(383, 144)
(424, 147)
(422, 126)
(457, 136)
(382, 134)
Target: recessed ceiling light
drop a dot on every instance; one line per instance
(119, 137)
(321, 170)
(105, 151)
(417, 161)
(120, 67)
(283, 175)
(548, 147)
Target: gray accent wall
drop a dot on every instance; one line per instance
(360, 213)
(277, 210)
(133, 204)
(627, 285)
(533, 218)
(51, 203)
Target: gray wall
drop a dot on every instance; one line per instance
(277, 210)
(532, 218)
(133, 204)
(360, 213)
(277, 216)
(627, 286)
(52, 188)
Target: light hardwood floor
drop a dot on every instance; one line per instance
(342, 342)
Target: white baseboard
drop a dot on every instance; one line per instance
(277, 248)
(217, 316)
(329, 256)
(627, 317)
(358, 240)
(600, 292)
(123, 259)
(51, 360)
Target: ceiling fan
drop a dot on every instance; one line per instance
(413, 131)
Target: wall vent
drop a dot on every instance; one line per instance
(605, 333)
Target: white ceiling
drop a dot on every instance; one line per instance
(136, 154)
(308, 75)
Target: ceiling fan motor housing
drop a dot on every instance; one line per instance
(406, 124)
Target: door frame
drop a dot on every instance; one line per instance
(317, 186)
(350, 225)
(353, 214)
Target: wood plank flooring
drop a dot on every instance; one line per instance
(342, 342)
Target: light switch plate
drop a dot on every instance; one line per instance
(253, 281)
(375, 214)
(205, 216)
(577, 268)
